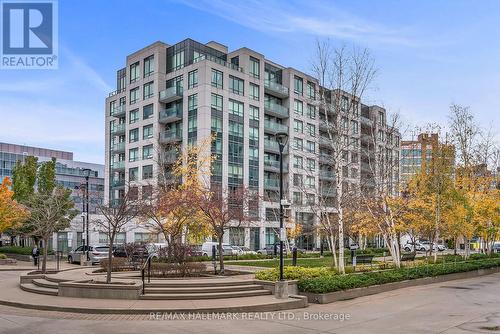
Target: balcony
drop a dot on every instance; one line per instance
(170, 157)
(274, 166)
(324, 141)
(326, 174)
(118, 111)
(325, 158)
(118, 129)
(118, 147)
(170, 136)
(117, 183)
(115, 202)
(276, 89)
(274, 127)
(171, 114)
(328, 192)
(276, 110)
(171, 94)
(366, 120)
(273, 184)
(118, 165)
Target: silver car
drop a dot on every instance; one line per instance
(96, 253)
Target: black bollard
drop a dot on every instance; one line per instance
(275, 249)
(321, 250)
(294, 256)
(214, 258)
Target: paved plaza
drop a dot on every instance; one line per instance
(461, 306)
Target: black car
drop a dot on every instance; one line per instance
(119, 251)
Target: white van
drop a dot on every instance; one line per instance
(206, 248)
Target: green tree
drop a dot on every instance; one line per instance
(24, 178)
(46, 177)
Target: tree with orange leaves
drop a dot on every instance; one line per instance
(11, 212)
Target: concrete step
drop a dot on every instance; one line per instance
(55, 279)
(45, 284)
(198, 283)
(30, 287)
(210, 295)
(211, 289)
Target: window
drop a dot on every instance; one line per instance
(134, 95)
(298, 85)
(253, 153)
(311, 129)
(147, 172)
(298, 107)
(133, 174)
(133, 154)
(311, 90)
(147, 111)
(147, 191)
(298, 180)
(237, 236)
(149, 65)
(311, 146)
(134, 72)
(178, 60)
(298, 126)
(147, 90)
(133, 135)
(254, 92)
(236, 85)
(297, 198)
(354, 127)
(216, 102)
(310, 182)
(311, 111)
(311, 164)
(217, 79)
(354, 157)
(298, 144)
(381, 118)
(254, 67)
(192, 79)
(310, 199)
(134, 116)
(253, 133)
(145, 237)
(298, 162)
(147, 132)
(235, 129)
(254, 113)
(236, 108)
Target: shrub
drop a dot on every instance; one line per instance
(21, 250)
(293, 273)
(166, 269)
(3, 256)
(117, 264)
(331, 283)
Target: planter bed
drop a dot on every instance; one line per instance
(100, 290)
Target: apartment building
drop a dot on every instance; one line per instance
(174, 95)
(416, 154)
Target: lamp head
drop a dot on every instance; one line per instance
(282, 138)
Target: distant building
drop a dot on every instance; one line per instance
(416, 154)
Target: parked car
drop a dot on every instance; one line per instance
(96, 253)
(206, 248)
(269, 249)
(119, 251)
(237, 249)
(195, 250)
(419, 246)
(496, 247)
(247, 250)
(439, 247)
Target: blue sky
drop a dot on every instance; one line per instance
(428, 53)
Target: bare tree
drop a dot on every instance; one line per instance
(115, 216)
(344, 75)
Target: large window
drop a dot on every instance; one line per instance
(133, 154)
(134, 95)
(236, 85)
(134, 116)
(311, 111)
(311, 129)
(147, 152)
(298, 143)
(133, 174)
(192, 79)
(254, 69)
(298, 85)
(311, 90)
(254, 113)
(298, 162)
(133, 135)
(298, 107)
(236, 108)
(148, 90)
(216, 102)
(149, 65)
(147, 172)
(147, 131)
(147, 111)
(134, 72)
(298, 126)
(178, 60)
(217, 78)
(254, 92)
(237, 236)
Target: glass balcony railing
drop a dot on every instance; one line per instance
(271, 183)
(171, 94)
(276, 109)
(118, 147)
(327, 174)
(170, 156)
(118, 165)
(170, 114)
(171, 136)
(117, 182)
(275, 164)
(118, 128)
(275, 127)
(118, 111)
(276, 87)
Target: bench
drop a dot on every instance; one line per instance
(363, 259)
(408, 257)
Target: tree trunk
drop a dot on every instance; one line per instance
(341, 242)
(110, 259)
(332, 242)
(221, 255)
(45, 251)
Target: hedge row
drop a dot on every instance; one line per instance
(20, 250)
(294, 273)
(331, 283)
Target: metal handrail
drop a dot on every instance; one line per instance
(148, 262)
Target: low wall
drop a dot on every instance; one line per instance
(269, 285)
(28, 258)
(86, 289)
(325, 298)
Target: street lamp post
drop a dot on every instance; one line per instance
(87, 241)
(281, 138)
